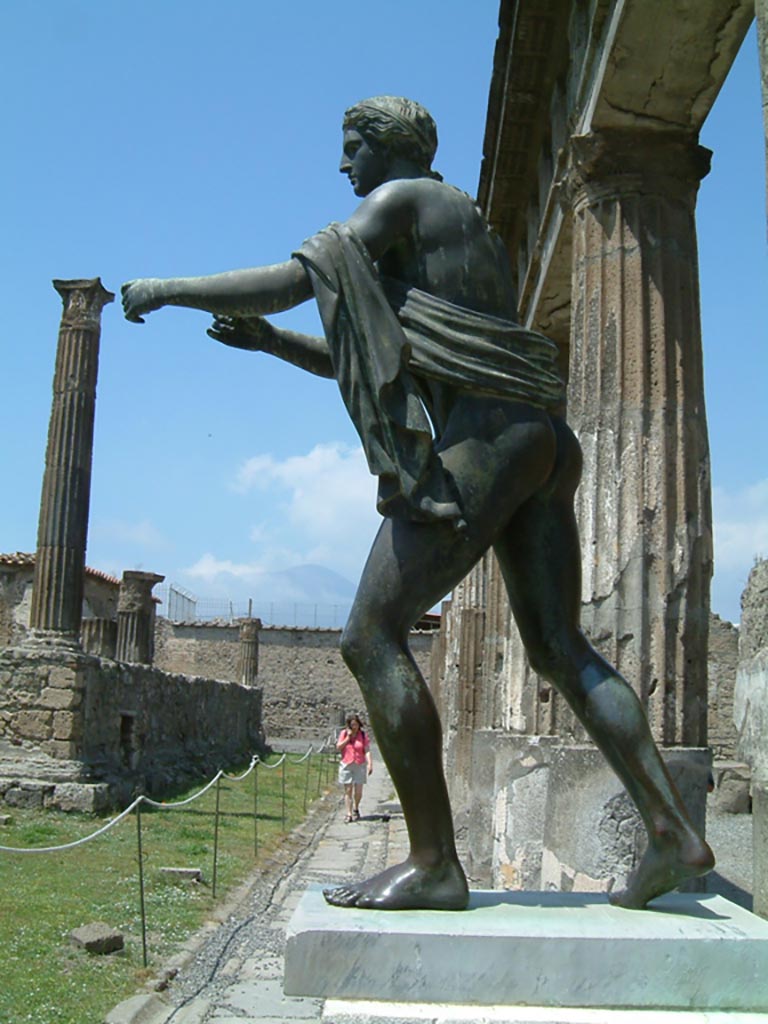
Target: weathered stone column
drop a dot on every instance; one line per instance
(136, 617)
(57, 597)
(99, 637)
(761, 15)
(636, 402)
(248, 661)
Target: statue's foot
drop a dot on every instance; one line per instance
(670, 860)
(406, 886)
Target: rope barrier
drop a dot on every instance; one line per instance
(256, 761)
(275, 765)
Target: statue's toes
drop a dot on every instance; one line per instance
(341, 896)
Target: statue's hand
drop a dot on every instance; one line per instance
(142, 296)
(252, 333)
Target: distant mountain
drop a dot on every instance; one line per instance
(309, 583)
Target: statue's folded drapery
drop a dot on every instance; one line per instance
(381, 335)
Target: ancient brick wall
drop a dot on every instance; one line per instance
(307, 687)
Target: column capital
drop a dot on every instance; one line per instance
(83, 301)
(136, 589)
(613, 162)
(249, 627)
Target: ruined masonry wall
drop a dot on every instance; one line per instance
(128, 723)
(723, 661)
(307, 687)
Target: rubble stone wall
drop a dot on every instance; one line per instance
(306, 685)
(751, 717)
(723, 659)
(132, 725)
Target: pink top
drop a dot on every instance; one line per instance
(356, 749)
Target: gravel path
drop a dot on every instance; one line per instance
(730, 836)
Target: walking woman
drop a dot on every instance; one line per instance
(356, 764)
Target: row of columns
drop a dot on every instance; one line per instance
(636, 402)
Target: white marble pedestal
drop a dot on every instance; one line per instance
(690, 952)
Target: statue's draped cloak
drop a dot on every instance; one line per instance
(383, 336)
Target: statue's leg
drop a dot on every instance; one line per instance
(410, 568)
(540, 559)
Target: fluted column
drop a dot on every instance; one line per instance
(136, 617)
(99, 637)
(248, 668)
(636, 401)
(761, 15)
(57, 597)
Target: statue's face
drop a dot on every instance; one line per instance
(365, 165)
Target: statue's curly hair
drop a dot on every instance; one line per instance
(398, 124)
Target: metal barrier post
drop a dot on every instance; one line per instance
(141, 887)
(283, 788)
(216, 837)
(256, 810)
(306, 780)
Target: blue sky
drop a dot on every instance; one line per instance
(171, 138)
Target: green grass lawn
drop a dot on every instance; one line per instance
(44, 979)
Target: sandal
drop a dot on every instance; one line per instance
(356, 815)
(348, 819)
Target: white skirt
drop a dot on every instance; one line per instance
(352, 773)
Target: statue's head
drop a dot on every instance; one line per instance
(397, 127)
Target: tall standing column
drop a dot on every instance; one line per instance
(761, 15)
(636, 401)
(57, 596)
(136, 617)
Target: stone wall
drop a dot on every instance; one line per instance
(307, 687)
(723, 659)
(197, 648)
(559, 818)
(131, 725)
(751, 717)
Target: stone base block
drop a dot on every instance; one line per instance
(733, 788)
(368, 1011)
(693, 952)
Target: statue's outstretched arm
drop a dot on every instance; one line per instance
(254, 292)
(255, 334)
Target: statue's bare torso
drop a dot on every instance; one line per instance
(433, 237)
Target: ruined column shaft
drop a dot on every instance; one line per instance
(636, 402)
(248, 668)
(63, 525)
(136, 617)
(761, 16)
